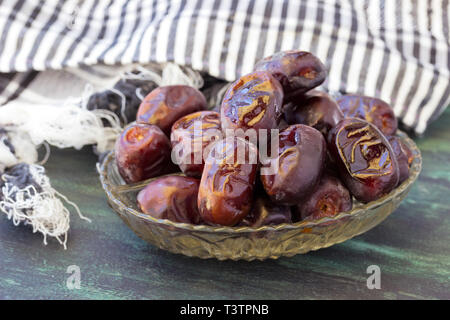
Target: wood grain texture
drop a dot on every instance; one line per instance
(411, 247)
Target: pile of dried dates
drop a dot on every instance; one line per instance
(278, 152)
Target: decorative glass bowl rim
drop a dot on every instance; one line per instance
(414, 172)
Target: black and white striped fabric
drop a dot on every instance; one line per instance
(398, 50)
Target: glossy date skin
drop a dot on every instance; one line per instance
(328, 199)
(403, 156)
(265, 212)
(191, 136)
(171, 197)
(165, 105)
(373, 110)
(253, 101)
(316, 109)
(142, 151)
(301, 159)
(226, 187)
(297, 71)
(366, 162)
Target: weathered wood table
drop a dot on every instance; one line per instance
(411, 247)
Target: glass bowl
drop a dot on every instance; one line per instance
(249, 243)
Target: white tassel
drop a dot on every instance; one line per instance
(63, 127)
(167, 74)
(43, 210)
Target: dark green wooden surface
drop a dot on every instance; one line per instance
(412, 248)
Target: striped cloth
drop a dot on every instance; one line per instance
(398, 50)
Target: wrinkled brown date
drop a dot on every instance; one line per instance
(328, 199)
(373, 110)
(253, 101)
(316, 109)
(226, 187)
(265, 212)
(403, 156)
(171, 197)
(301, 158)
(165, 105)
(365, 159)
(297, 71)
(191, 135)
(142, 151)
